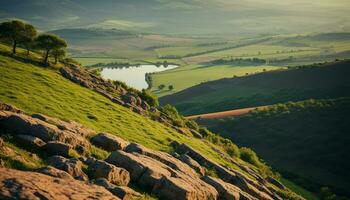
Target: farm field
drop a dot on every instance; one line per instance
(190, 75)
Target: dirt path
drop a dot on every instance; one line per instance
(223, 114)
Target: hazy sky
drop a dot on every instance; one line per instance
(185, 16)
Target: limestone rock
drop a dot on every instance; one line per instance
(30, 141)
(16, 184)
(192, 163)
(57, 148)
(72, 166)
(124, 193)
(109, 142)
(51, 171)
(227, 191)
(46, 130)
(162, 157)
(113, 174)
(166, 182)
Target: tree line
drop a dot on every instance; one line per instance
(26, 35)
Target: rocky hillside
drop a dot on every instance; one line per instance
(109, 143)
(64, 148)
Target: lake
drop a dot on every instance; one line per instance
(134, 76)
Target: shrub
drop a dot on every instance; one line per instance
(192, 124)
(147, 96)
(249, 156)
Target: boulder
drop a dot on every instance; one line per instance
(8, 107)
(181, 187)
(227, 191)
(57, 148)
(51, 171)
(162, 157)
(16, 184)
(163, 180)
(113, 174)
(192, 163)
(129, 98)
(249, 186)
(109, 142)
(124, 193)
(30, 141)
(72, 166)
(45, 128)
(276, 183)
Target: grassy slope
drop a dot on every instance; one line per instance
(318, 81)
(43, 90)
(307, 141)
(190, 75)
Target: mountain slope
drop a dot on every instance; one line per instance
(307, 141)
(326, 80)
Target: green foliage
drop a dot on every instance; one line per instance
(227, 145)
(250, 156)
(18, 32)
(147, 96)
(212, 172)
(311, 134)
(48, 43)
(192, 124)
(58, 54)
(172, 113)
(170, 87)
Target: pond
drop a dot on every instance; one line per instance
(134, 76)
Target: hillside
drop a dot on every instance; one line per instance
(76, 121)
(307, 141)
(328, 80)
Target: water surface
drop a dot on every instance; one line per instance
(134, 76)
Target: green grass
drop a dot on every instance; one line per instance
(190, 75)
(306, 141)
(315, 81)
(299, 190)
(43, 90)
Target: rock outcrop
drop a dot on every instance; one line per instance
(16, 184)
(164, 181)
(178, 176)
(124, 193)
(72, 166)
(230, 176)
(22, 124)
(51, 171)
(113, 174)
(109, 142)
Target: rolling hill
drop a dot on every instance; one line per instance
(328, 80)
(307, 141)
(52, 107)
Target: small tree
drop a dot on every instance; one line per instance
(28, 36)
(14, 31)
(170, 87)
(58, 54)
(162, 86)
(49, 42)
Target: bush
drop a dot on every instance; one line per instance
(192, 124)
(147, 96)
(172, 113)
(249, 156)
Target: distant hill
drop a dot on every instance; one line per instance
(328, 80)
(90, 33)
(307, 141)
